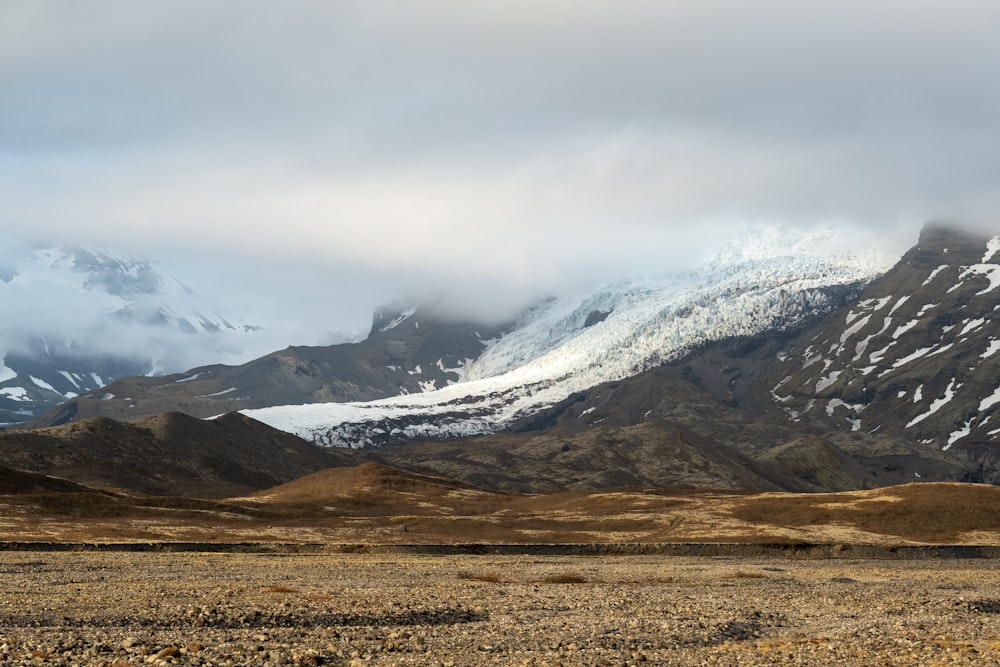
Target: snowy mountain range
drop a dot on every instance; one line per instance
(776, 280)
(409, 350)
(78, 318)
(790, 361)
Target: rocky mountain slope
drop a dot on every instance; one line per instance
(774, 281)
(780, 367)
(421, 375)
(919, 353)
(170, 454)
(79, 318)
(665, 428)
(409, 350)
(915, 358)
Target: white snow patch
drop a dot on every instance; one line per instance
(42, 383)
(852, 418)
(922, 352)
(6, 373)
(871, 304)
(934, 274)
(97, 379)
(991, 271)
(918, 395)
(15, 393)
(992, 247)
(902, 329)
(993, 348)
(877, 356)
(405, 315)
(589, 410)
(862, 346)
(69, 376)
(943, 348)
(218, 393)
(926, 307)
(972, 325)
(990, 400)
(189, 378)
(460, 370)
(936, 404)
(955, 436)
(854, 328)
(828, 381)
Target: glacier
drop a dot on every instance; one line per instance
(769, 278)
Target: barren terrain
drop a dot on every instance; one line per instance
(370, 565)
(351, 609)
(374, 504)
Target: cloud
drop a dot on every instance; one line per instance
(516, 146)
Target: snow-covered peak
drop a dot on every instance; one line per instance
(79, 316)
(834, 246)
(110, 283)
(569, 344)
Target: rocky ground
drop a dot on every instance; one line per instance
(91, 608)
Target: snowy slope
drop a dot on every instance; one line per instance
(916, 357)
(771, 278)
(77, 318)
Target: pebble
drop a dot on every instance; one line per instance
(116, 609)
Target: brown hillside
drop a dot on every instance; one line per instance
(368, 478)
(18, 481)
(921, 512)
(377, 505)
(170, 454)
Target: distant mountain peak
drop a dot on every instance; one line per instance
(571, 343)
(89, 315)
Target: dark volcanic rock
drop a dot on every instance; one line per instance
(917, 356)
(408, 351)
(171, 454)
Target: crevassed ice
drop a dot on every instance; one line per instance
(550, 354)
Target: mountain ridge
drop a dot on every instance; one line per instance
(88, 316)
(409, 350)
(916, 356)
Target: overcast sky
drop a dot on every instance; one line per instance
(310, 159)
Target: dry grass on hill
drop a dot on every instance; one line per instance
(376, 504)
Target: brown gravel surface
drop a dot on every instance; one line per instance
(376, 609)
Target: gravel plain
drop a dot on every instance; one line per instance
(86, 608)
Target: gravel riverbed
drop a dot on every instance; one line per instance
(85, 608)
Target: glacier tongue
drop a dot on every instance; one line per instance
(557, 349)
